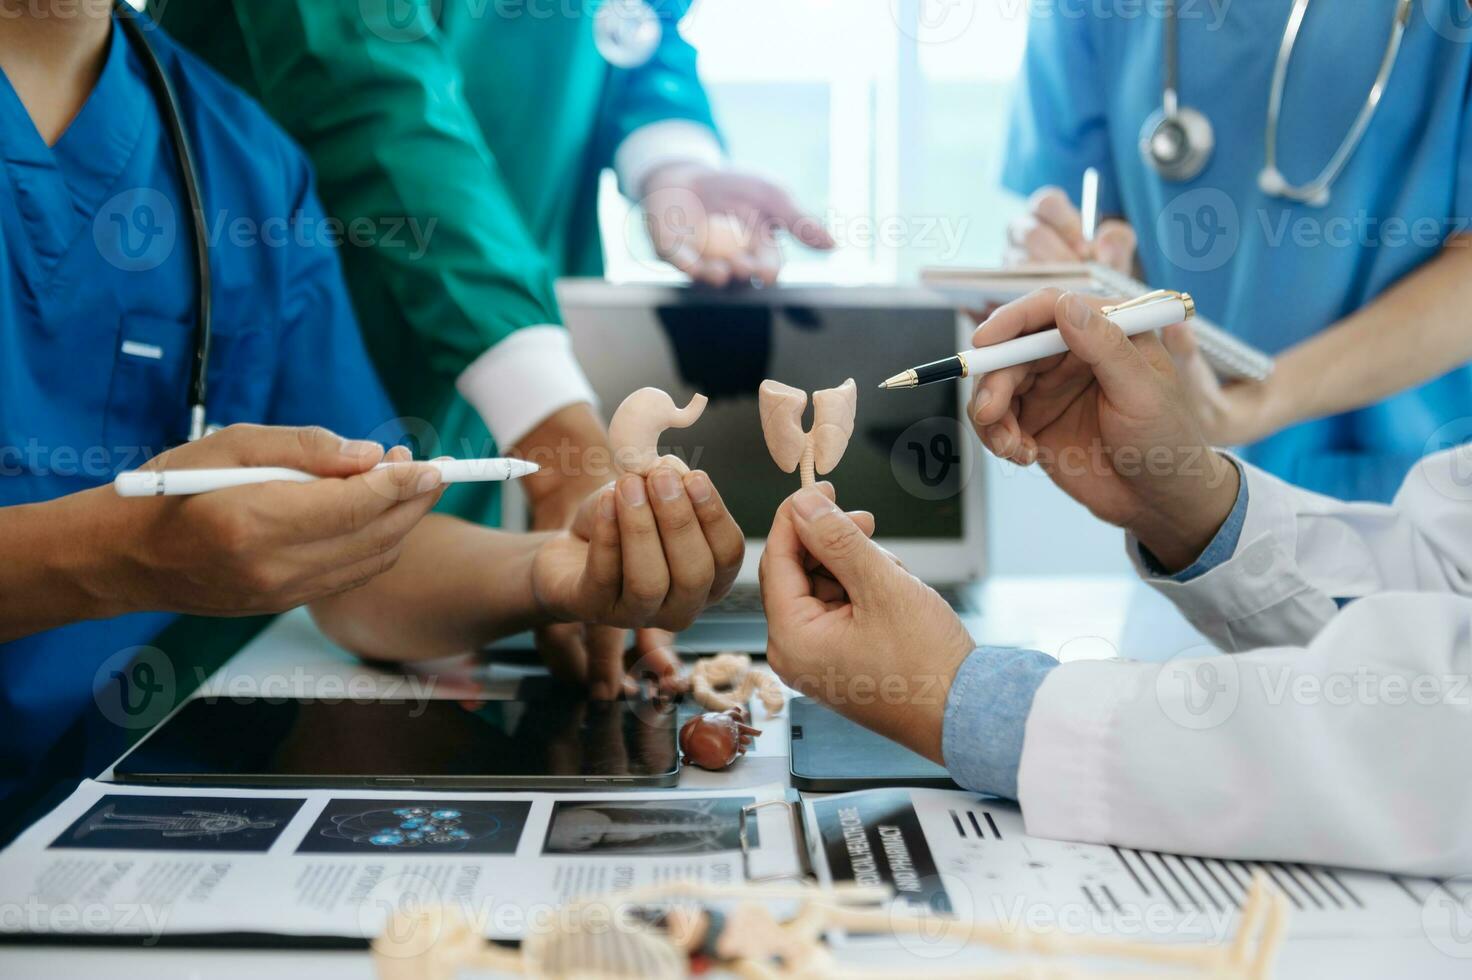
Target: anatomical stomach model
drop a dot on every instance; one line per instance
(636, 426)
(818, 450)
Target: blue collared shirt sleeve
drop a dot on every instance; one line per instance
(986, 716)
(992, 695)
(1222, 547)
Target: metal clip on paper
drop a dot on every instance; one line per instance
(793, 806)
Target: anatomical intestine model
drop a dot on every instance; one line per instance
(818, 450)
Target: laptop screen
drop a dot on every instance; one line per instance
(905, 459)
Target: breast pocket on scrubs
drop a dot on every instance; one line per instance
(148, 401)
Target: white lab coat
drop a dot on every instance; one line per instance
(1342, 737)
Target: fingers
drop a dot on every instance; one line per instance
(645, 576)
(563, 652)
(605, 645)
(832, 537)
(657, 660)
(766, 257)
(691, 568)
(805, 227)
(603, 572)
(993, 393)
(1053, 209)
(711, 272)
(1115, 244)
(331, 508)
(788, 596)
(1051, 231)
(1180, 342)
(1126, 377)
(312, 449)
(376, 538)
(722, 535)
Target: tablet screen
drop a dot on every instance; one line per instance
(427, 742)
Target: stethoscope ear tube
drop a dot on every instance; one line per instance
(168, 103)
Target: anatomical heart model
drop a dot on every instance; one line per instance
(818, 450)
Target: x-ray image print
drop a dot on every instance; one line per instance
(180, 823)
(661, 826)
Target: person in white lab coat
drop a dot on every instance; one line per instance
(1338, 731)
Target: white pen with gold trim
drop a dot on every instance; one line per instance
(1153, 311)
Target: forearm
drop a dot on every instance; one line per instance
(57, 570)
(572, 448)
(456, 587)
(1412, 333)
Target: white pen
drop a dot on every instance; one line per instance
(1089, 204)
(182, 483)
(1152, 311)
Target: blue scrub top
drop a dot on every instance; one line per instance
(1272, 271)
(96, 326)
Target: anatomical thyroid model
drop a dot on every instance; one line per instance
(818, 450)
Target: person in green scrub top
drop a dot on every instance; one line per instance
(460, 144)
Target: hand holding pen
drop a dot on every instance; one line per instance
(996, 352)
(1017, 409)
(1108, 421)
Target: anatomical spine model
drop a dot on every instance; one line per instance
(818, 450)
(636, 427)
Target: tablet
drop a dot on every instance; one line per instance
(551, 743)
(831, 754)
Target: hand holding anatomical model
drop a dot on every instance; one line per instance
(654, 548)
(636, 427)
(818, 450)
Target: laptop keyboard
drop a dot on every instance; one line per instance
(746, 600)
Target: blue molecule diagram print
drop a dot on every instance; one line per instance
(417, 827)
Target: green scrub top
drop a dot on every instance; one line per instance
(466, 138)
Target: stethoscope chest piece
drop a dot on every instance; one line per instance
(1177, 145)
(627, 32)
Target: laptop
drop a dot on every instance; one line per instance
(912, 460)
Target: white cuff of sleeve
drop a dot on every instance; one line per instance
(650, 147)
(523, 380)
(1261, 574)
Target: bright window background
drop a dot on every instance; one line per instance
(887, 118)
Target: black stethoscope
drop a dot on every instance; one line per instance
(168, 104)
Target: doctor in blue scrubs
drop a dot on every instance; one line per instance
(98, 311)
(1363, 293)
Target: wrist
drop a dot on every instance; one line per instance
(573, 450)
(1176, 527)
(69, 569)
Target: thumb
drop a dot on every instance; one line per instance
(832, 537)
(1120, 368)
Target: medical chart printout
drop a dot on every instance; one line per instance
(967, 856)
(148, 861)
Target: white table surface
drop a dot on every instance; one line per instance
(1070, 618)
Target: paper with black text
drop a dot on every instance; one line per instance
(143, 861)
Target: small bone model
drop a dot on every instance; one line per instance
(818, 449)
(713, 740)
(727, 681)
(635, 429)
(617, 938)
